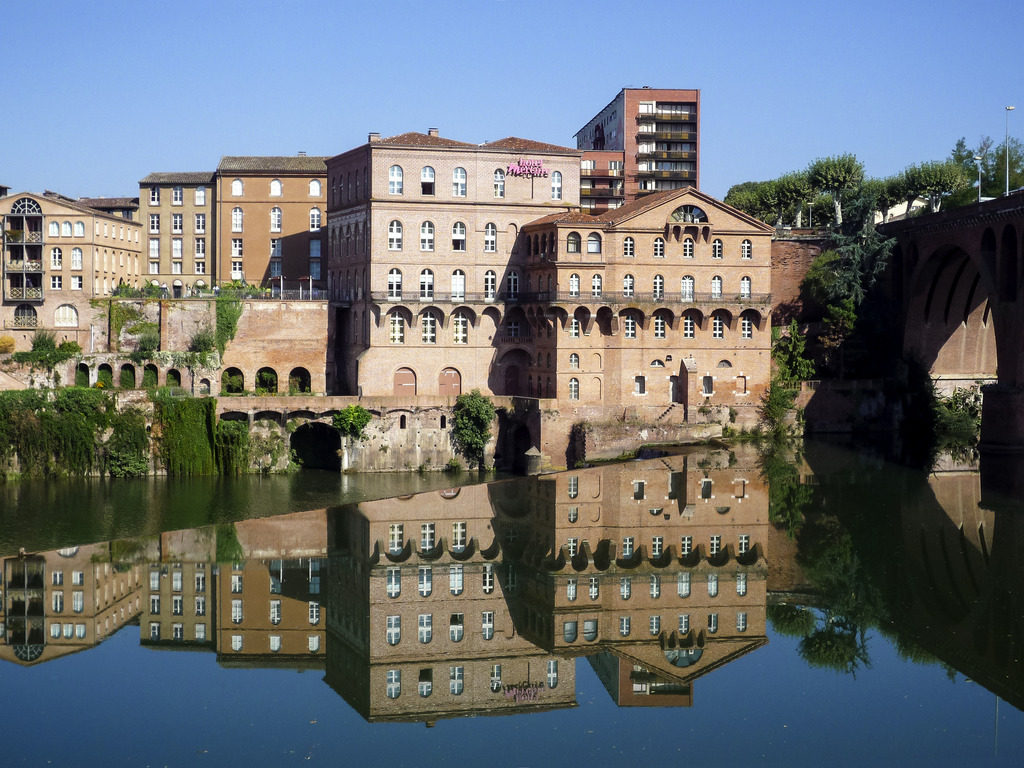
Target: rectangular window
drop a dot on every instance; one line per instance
(458, 536)
(55, 282)
(314, 612)
(716, 545)
(426, 580)
(275, 611)
(78, 578)
(176, 248)
(426, 536)
(236, 248)
(657, 546)
(456, 627)
(177, 605)
(236, 270)
(396, 540)
(154, 195)
(488, 579)
(77, 601)
(683, 584)
(741, 584)
(57, 577)
(625, 587)
(200, 267)
(200, 606)
(154, 630)
(744, 543)
(176, 223)
(154, 223)
(200, 223)
(455, 584)
(178, 631)
(624, 626)
(627, 546)
(154, 603)
(236, 611)
(76, 282)
(200, 195)
(426, 627)
(200, 251)
(455, 680)
(177, 196)
(154, 247)
(236, 583)
(686, 545)
(655, 624)
(393, 630)
(394, 582)
(684, 623)
(487, 624)
(200, 632)
(154, 579)
(176, 581)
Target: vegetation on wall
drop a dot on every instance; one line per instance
(474, 414)
(231, 447)
(229, 311)
(121, 313)
(187, 429)
(46, 352)
(52, 433)
(127, 450)
(352, 421)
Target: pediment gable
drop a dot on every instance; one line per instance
(685, 208)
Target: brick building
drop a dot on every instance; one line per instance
(645, 140)
(58, 254)
(178, 213)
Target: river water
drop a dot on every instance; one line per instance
(820, 606)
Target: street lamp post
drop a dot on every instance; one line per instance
(977, 159)
(1007, 146)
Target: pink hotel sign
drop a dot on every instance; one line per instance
(527, 168)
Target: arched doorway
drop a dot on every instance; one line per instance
(405, 383)
(316, 446)
(449, 383)
(299, 382)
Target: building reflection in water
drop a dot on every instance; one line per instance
(476, 600)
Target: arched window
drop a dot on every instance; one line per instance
(747, 327)
(659, 248)
(659, 327)
(659, 287)
(315, 188)
(65, 229)
(512, 284)
(574, 285)
(395, 180)
(499, 183)
(458, 285)
(627, 286)
(595, 286)
(427, 180)
(426, 284)
(746, 250)
(275, 188)
(687, 288)
(427, 236)
(236, 219)
(716, 249)
(66, 316)
(314, 219)
(236, 188)
(716, 287)
(593, 243)
(394, 236)
(275, 219)
(745, 285)
(25, 316)
(556, 185)
(574, 360)
(573, 243)
(429, 328)
(629, 247)
(460, 328)
(490, 285)
(490, 238)
(459, 182)
(629, 326)
(687, 248)
(689, 327)
(54, 229)
(458, 236)
(56, 258)
(574, 389)
(395, 284)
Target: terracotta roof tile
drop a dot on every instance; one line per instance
(516, 144)
(269, 163)
(109, 203)
(185, 177)
(414, 139)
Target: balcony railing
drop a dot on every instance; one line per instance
(600, 192)
(24, 321)
(650, 297)
(24, 265)
(674, 117)
(666, 155)
(665, 136)
(25, 294)
(442, 297)
(602, 172)
(667, 174)
(17, 237)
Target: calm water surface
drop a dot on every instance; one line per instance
(824, 608)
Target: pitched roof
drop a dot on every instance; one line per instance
(414, 139)
(109, 203)
(184, 177)
(516, 144)
(564, 217)
(56, 197)
(647, 202)
(285, 164)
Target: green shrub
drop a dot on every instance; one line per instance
(474, 414)
(232, 384)
(127, 378)
(127, 450)
(105, 379)
(148, 378)
(352, 420)
(203, 340)
(44, 341)
(6, 344)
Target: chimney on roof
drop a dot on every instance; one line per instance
(431, 131)
(301, 153)
(373, 137)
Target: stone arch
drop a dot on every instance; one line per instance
(233, 382)
(82, 375)
(299, 381)
(508, 375)
(127, 378)
(266, 381)
(150, 376)
(204, 387)
(105, 376)
(316, 446)
(173, 377)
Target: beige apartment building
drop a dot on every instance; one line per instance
(645, 140)
(425, 257)
(177, 211)
(59, 254)
(270, 213)
(63, 601)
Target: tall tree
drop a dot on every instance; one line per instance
(933, 180)
(835, 175)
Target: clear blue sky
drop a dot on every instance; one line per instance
(96, 96)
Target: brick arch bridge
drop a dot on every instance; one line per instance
(957, 275)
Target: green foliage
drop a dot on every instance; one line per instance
(105, 379)
(51, 433)
(266, 383)
(993, 169)
(149, 378)
(788, 498)
(231, 446)
(776, 403)
(81, 377)
(791, 620)
(203, 340)
(228, 548)
(474, 414)
(127, 378)
(232, 384)
(121, 313)
(187, 428)
(127, 450)
(789, 354)
(834, 176)
(46, 353)
(351, 421)
(453, 465)
(933, 180)
(44, 341)
(6, 344)
(229, 311)
(958, 422)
